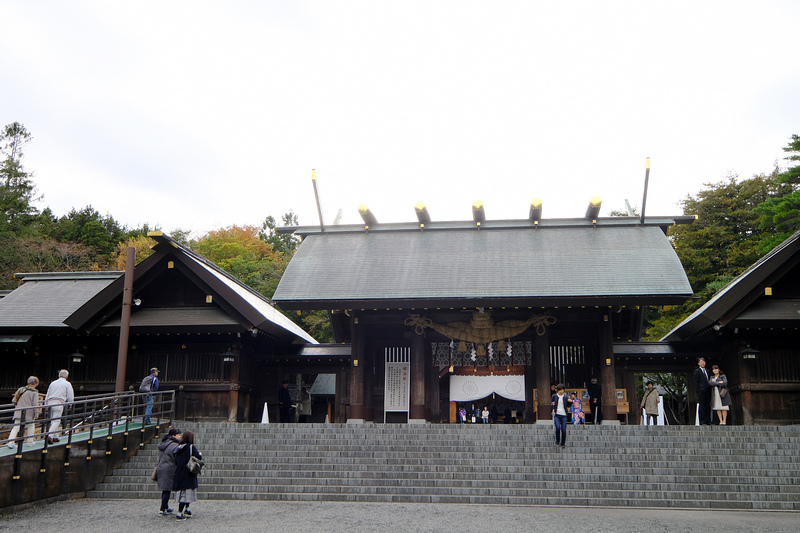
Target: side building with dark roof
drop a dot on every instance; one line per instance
(750, 330)
(222, 346)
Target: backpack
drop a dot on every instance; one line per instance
(17, 395)
(146, 384)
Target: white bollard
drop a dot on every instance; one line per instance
(265, 416)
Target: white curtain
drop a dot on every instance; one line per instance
(469, 388)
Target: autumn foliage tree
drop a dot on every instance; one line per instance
(729, 235)
(239, 251)
(141, 243)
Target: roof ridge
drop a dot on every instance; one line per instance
(93, 274)
(732, 284)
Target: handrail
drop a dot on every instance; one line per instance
(87, 413)
(11, 406)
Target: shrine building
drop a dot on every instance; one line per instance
(438, 314)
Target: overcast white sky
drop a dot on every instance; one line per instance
(199, 115)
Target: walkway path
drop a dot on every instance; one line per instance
(78, 435)
(212, 516)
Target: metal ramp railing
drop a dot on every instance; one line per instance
(86, 418)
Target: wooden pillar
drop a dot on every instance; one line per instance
(746, 378)
(125, 320)
(530, 377)
(432, 401)
(367, 365)
(607, 373)
(233, 402)
(342, 398)
(416, 413)
(233, 405)
(541, 360)
(357, 411)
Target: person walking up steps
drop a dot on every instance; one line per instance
(59, 393)
(149, 385)
(26, 400)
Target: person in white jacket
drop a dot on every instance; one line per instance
(59, 393)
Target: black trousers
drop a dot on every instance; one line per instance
(597, 413)
(704, 400)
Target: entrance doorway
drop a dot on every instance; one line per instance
(673, 392)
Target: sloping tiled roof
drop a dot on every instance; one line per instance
(732, 299)
(244, 305)
(47, 299)
(522, 265)
(270, 315)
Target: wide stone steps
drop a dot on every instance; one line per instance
(735, 483)
(733, 467)
(283, 483)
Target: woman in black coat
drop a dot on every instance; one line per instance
(165, 470)
(185, 483)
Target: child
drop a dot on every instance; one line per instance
(577, 410)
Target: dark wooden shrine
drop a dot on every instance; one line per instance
(587, 279)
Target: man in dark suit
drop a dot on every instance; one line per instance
(703, 389)
(596, 401)
(285, 402)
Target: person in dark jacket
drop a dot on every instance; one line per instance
(703, 389)
(560, 403)
(165, 469)
(185, 483)
(149, 385)
(720, 398)
(596, 401)
(285, 402)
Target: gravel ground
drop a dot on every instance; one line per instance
(211, 516)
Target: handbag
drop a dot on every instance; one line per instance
(722, 392)
(195, 465)
(154, 475)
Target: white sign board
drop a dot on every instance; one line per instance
(396, 387)
(396, 383)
